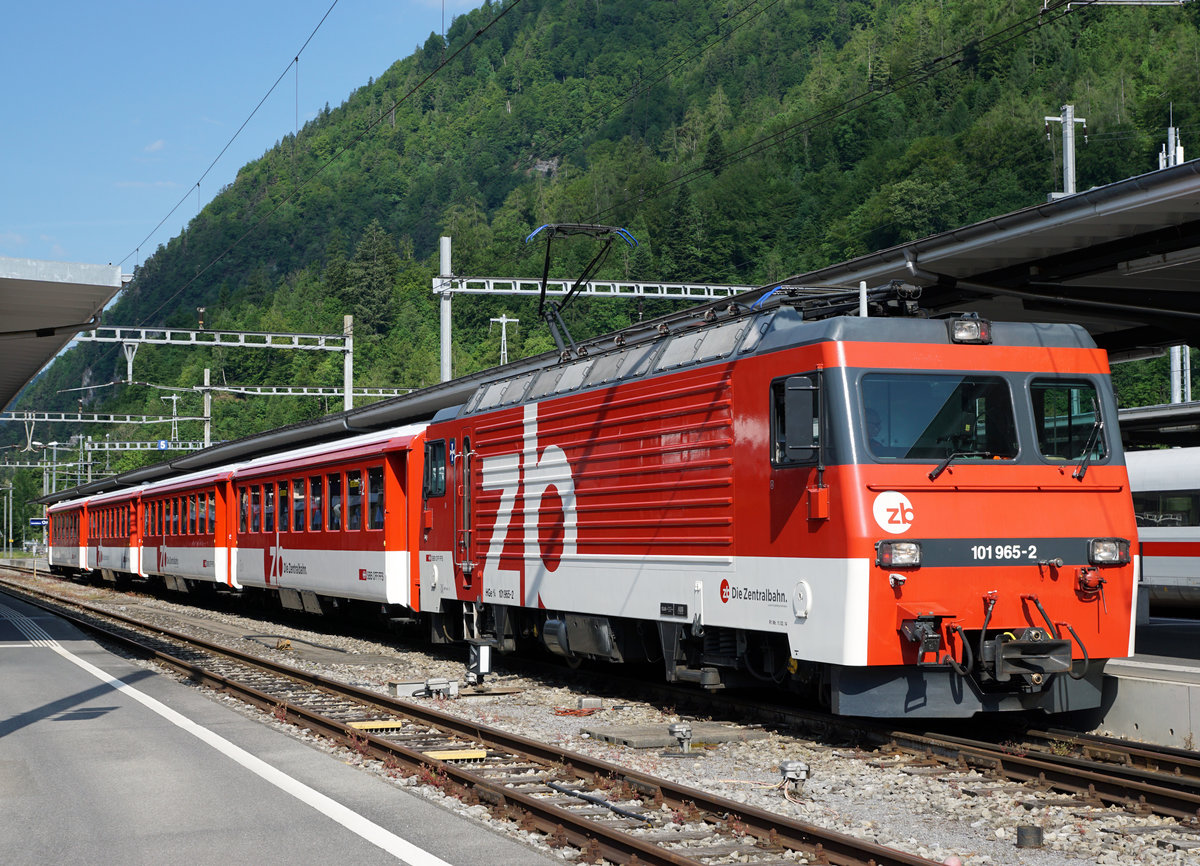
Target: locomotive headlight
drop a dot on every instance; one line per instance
(970, 329)
(1108, 551)
(897, 554)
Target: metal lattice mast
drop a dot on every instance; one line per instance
(446, 285)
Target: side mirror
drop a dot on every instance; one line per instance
(799, 418)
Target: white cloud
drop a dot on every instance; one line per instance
(12, 239)
(155, 146)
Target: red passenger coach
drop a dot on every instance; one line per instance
(68, 537)
(114, 542)
(331, 522)
(186, 530)
(906, 517)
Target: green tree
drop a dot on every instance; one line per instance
(371, 281)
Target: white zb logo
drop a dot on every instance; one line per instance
(893, 512)
(544, 483)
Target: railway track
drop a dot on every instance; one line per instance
(1093, 770)
(1035, 768)
(605, 810)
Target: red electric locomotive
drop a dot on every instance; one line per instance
(910, 517)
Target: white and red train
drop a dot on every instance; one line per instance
(907, 517)
(1166, 501)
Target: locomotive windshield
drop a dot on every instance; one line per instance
(1065, 415)
(921, 416)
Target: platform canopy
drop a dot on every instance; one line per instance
(1173, 424)
(42, 306)
(1123, 260)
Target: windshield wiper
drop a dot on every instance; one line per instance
(1097, 426)
(954, 455)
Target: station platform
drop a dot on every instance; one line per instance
(103, 761)
(1154, 697)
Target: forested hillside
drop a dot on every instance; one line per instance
(739, 142)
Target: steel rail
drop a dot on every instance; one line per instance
(1066, 773)
(826, 846)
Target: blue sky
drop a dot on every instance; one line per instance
(113, 110)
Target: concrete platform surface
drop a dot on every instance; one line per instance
(103, 761)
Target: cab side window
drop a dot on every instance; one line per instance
(435, 468)
(795, 420)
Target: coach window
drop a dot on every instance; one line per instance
(269, 507)
(315, 502)
(1167, 508)
(243, 509)
(795, 420)
(435, 468)
(335, 501)
(212, 511)
(255, 508)
(298, 504)
(375, 498)
(354, 499)
(283, 502)
(191, 530)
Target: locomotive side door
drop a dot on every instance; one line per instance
(465, 469)
(447, 558)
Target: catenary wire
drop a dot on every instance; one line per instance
(233, 138)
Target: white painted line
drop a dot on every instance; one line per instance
(348, 818)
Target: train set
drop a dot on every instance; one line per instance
(896, 516)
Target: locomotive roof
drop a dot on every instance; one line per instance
(741, 336)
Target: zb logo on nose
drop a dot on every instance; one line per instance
(893, 512)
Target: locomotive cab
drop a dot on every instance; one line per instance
(992, 501)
